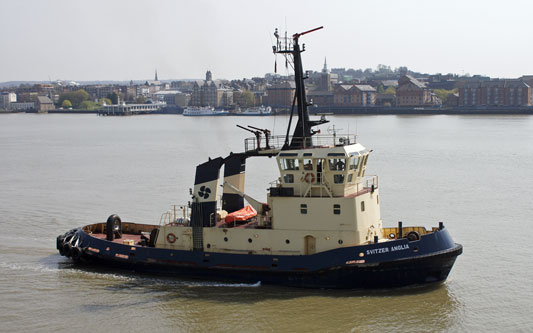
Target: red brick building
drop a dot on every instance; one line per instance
(280, 95)
(354, 95)
(507, 92)
(411, 92)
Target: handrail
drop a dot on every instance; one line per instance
(278, 141)
(178, 215)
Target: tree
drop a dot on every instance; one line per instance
(247, 99)
(140, 100)
(74, 97)
(107, 101)
(66, 104)
(390, 90)
(443, 94)
(89, 105)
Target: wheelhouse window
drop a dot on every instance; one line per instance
(338, 179)
(303, 208)
(350, 178)
(336, 209)
(289, 164)
(337, 164)
(308, 164)
(354, 162)
(288, 178)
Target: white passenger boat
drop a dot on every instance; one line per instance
(256, 111)
(203, 111)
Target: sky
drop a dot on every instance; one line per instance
(130, 39)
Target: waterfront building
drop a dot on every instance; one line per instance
(44, 104)
(21, 106)
(496, 92)
(211, 93)
(354, 95)
(413, 92)
(6, 98)
(321, 98)
(182, 99)
(167, 96)
(280, 94)
(385, 100)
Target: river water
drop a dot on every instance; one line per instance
(58, 172)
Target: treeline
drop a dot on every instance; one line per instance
(79, 99)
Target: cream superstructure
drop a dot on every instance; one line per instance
(322, 200)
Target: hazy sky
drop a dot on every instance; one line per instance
(123, 40)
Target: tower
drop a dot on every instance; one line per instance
(208, 76)
(156, 75)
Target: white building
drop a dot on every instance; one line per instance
(22, 106)
(6, 98)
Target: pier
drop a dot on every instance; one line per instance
(130, 109)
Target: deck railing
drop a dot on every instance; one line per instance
(278, 141)
(177, 215)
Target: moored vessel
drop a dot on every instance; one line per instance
(319, 227)
(203, 111)
(255, 111)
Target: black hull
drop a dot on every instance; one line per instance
(426, 261)
(408, 272)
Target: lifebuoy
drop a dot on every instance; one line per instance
(171, 238)
(309, 177)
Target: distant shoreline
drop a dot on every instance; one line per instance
(373, 110)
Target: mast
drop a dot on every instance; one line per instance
(301, 137)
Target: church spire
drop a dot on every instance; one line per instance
(325, 69)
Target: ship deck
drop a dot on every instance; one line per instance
(135, 238)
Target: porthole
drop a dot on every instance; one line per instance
(287, 241)
(392, 235)
(361, 254)
(340, 241)
(225, 239)
(208, 246)
(249, 240)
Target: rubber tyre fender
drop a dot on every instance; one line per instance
(67, 249)
(76, 253)
(59, 242)
(413, 236)
(112, 221)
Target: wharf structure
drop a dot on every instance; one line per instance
(130, 109)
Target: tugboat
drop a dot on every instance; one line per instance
(320, 226)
